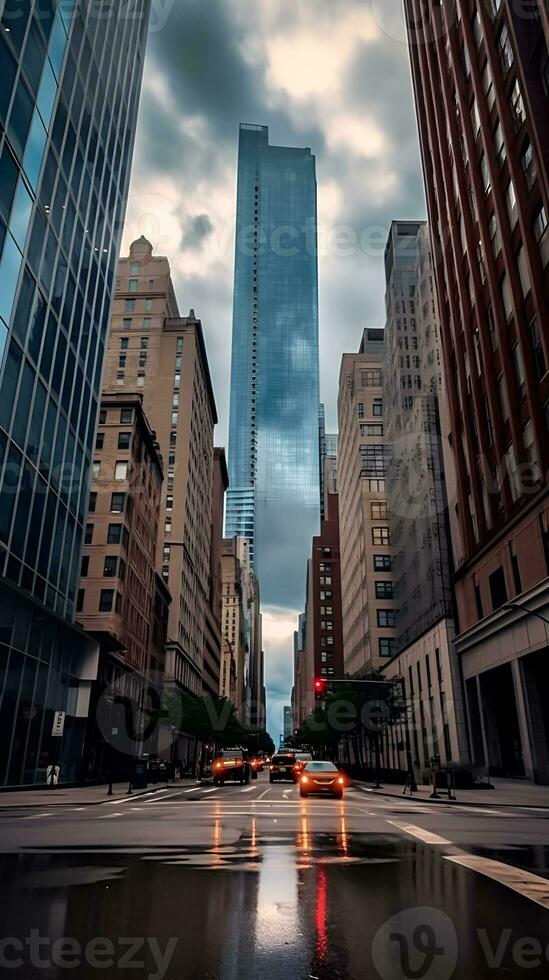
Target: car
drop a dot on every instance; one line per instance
(231, 765)
(321, 777)
(282, 767)
(256, 763)
(301, 759)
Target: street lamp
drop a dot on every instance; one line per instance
(524, 609)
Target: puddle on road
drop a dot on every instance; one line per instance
(324, 906)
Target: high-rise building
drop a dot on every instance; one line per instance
(417, 503)
(481, 73)
(68, 107)
(288, 721)
(241, 621)
(364, 530)
(212, 639)
(154, 351)
(118, 587)
(273, 497)
(327, 442)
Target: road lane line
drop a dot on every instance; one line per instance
(214, 789)
(249, 789)
(193, 790)
(425, 836)
(38, 816)
(111, 816)
(263, 795)
(523, 882)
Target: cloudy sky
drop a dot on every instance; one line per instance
(329, 74)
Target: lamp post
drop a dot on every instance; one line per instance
(524, 609)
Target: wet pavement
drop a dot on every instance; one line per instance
(256, 883)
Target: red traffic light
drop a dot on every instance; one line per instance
(319, 686)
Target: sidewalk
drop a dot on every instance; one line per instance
(74, 796)
(506, 792)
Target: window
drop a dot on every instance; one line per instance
(361, 410)
(371, 429)
(133, 285)
(118, 503)
(114, 534)
(505, 48)
(381, 536)
(375, 460)
(371, 379)
(383, 563)
(129, 306)
(121, 471)
(540, 223)
(109, 568)
(127, 323)
(485, 174)
(379, 511)
(377, 408)
(386, 617)
(88, 535)
(517, 105)
(148, 305)
(126, 416)
(387, 647)
(527, 164)
(93, 502)
(106, 600)
(85, 567)
(96, 470)
(147, 323)
(537, 348)
(498, 589)
(124, 439)
(134, 269)
(384, 590)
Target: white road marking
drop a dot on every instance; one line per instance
(425, 836)
(263, 795)
(38, 816)
(214, 789)
(193, 790)
(249, 789)
(111, 816)
(523, 882)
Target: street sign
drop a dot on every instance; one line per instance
(58, 724)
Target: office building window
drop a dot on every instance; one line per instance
(106, 600)
(121, 471)
(114, 534)
(387, 647)
(88, 535)
(93, 502)
(85, 567)
(377, 408)
(381, 536)
(118, 503)
(382, 563)
(386, 617)
(379, 511)
(124, 439)
(109, 568)
(384, 590)
(498, 588)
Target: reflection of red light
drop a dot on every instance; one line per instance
(321, 915)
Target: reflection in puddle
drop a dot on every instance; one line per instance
(296, 907)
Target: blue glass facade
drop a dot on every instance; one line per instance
(70, 75)
(274, 493)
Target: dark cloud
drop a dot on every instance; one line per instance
(195, 231)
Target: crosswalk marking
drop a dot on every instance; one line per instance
(523, 882)
(425, 836)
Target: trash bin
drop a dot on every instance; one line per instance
(139, 774)
(155, 774)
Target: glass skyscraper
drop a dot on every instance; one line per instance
(274, 494)
(70, 82)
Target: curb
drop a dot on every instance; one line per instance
(450, 803)
(5, 808)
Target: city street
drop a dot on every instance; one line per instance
(197, 881)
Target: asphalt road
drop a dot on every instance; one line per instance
(235, 882)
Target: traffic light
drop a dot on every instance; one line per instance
(320, 687)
